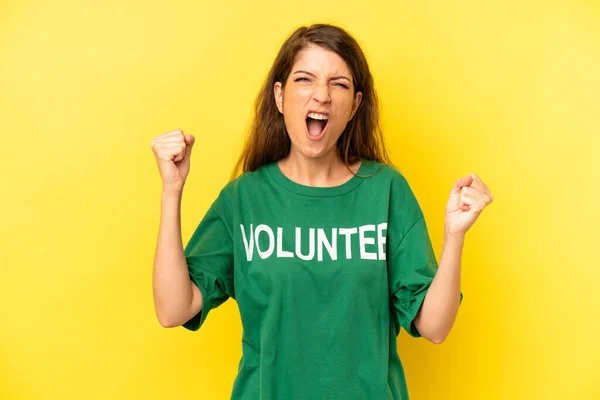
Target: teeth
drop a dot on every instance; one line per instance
(317, 116)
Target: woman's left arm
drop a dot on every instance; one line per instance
(468, 197)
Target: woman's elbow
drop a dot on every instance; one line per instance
(437, 340)
(167, 322)
(430, 333)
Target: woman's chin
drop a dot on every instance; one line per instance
(315, 150)
(311, 148)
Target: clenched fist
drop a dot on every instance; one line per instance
(468, 197)
(172, 151)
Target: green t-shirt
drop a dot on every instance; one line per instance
(323, 277)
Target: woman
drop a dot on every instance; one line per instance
(320, 240)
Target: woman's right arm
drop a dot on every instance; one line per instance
(176, 297)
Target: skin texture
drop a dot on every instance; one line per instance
(319, 88)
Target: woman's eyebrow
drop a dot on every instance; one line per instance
(332, 78)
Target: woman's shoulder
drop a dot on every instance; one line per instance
(403, 200)
(247, 181)
(242, 186)
(385, 172)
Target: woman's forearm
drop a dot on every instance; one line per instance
(171, 284)
(438, 311)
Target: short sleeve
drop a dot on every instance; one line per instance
(411, 268)
(209, 256)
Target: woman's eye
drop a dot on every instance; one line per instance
(308, 80)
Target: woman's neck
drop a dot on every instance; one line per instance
(326, 171)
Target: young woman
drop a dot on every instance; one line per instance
(320, 240)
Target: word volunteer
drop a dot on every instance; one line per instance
(322, 242)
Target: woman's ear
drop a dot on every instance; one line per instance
(357, 100)
(278, 91)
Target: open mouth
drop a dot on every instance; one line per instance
(315, 127)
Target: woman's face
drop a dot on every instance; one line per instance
(317, 102)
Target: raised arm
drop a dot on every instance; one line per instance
(176, 297)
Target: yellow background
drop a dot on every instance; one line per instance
(506, 89)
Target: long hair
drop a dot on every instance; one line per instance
(268, 140)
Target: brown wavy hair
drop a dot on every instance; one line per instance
(268, 140)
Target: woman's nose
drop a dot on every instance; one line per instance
(321, 93)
